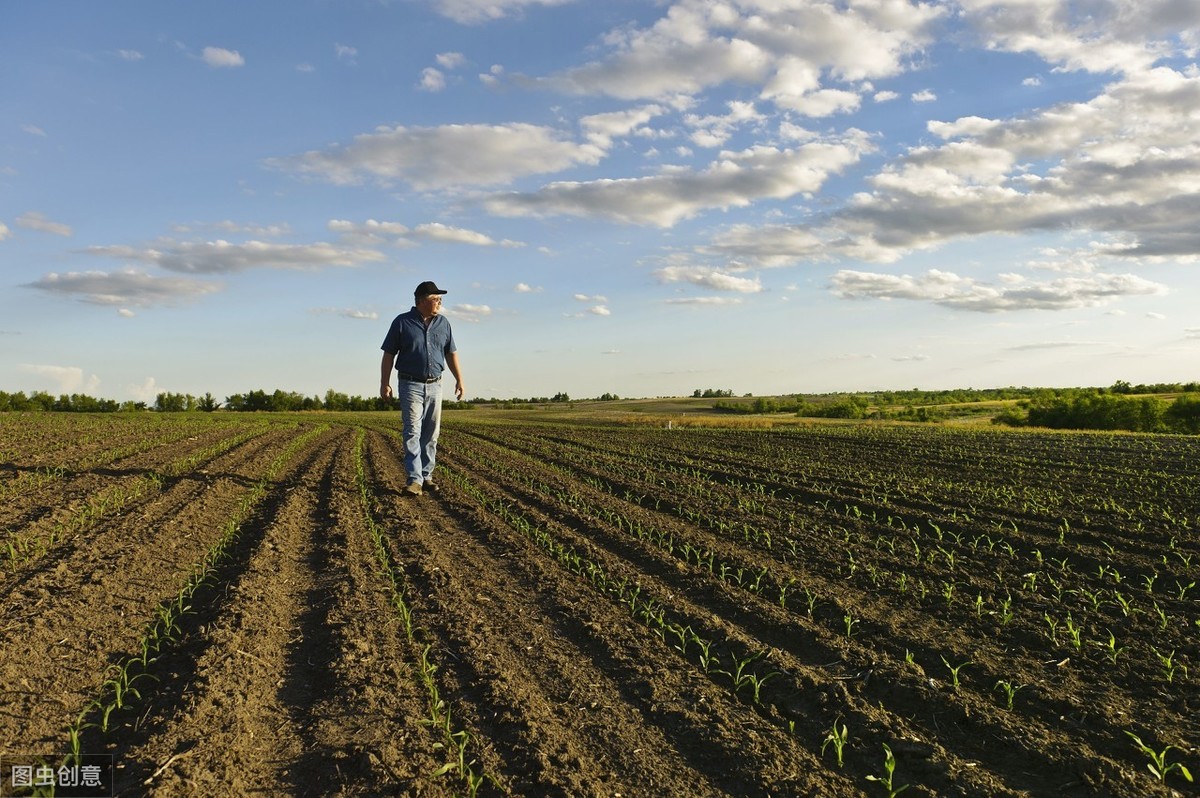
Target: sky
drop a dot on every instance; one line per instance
(642, 198)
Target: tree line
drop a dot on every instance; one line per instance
(251, 401)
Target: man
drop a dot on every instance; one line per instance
(420, 345)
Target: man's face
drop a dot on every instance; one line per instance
(430, 304)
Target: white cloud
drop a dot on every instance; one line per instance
(147, 391)
(1099, 36)
(444, 157)
(469, 313)
(346, 313)
(431, 80)
(526, 288)
(601, 129)
(713, 131)
(438, 232)
(450, 60)
(4, 231)
(34, 130)
(372, 232)
(737, 179)
(130, 55)
(963, 293)
(38, 221)
(1124, 165)
(923, 96)
(705, 277)
(785, 48)
(66, 379)
(884, 96)
(589, 298)
(219, 257)
(703, 300)
(221, 58)
(471, 12)
(127, 287)
(344, 52)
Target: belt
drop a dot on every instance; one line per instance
(415, 378)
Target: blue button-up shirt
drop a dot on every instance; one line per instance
(420, 348)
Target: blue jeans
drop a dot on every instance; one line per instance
(421, 413)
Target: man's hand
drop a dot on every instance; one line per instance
(385, 391)
(459, 390)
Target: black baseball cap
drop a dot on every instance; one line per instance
(426, 288)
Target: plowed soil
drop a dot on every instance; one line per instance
(598, 611)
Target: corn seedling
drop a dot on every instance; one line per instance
(1009, 691)
(889, 770)
(837, 737)
(1169, 665)
(954, 670)
(1111, 649)
(1158, 764)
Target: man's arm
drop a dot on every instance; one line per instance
(385, 374)
(452, 363)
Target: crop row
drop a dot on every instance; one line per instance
(1016, 606)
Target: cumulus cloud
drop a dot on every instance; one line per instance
(344, 52)
(703, 300)
(705, 277)
(789, 50)
(450, 60)
(1014, 293)
(432, 80)
(223, 257)
(346, 313)
(1100, 36)
(375, 232)
(38, 221)
(468, 312)
(438, 232)
(146, 391)
(444, 157)
(470, 12)
(713, 131)
(221, 58)
(66, 379)
(1124, 165)
(4, 231)
(735, 180)
(127, 287)
(601, 129)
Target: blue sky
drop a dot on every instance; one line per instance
(645, 198)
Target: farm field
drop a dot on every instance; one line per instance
(242, 603)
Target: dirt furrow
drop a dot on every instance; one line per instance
(557, 673)
(301, 683)
(65, 621)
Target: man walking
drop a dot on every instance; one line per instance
(421, 346)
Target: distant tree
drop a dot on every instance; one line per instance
(561, 396)
(1184, 414)
(336, 401)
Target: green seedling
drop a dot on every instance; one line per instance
(1158, 764)
(1009, 691)
(954, 669)
(837, 737)
(889, 770)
